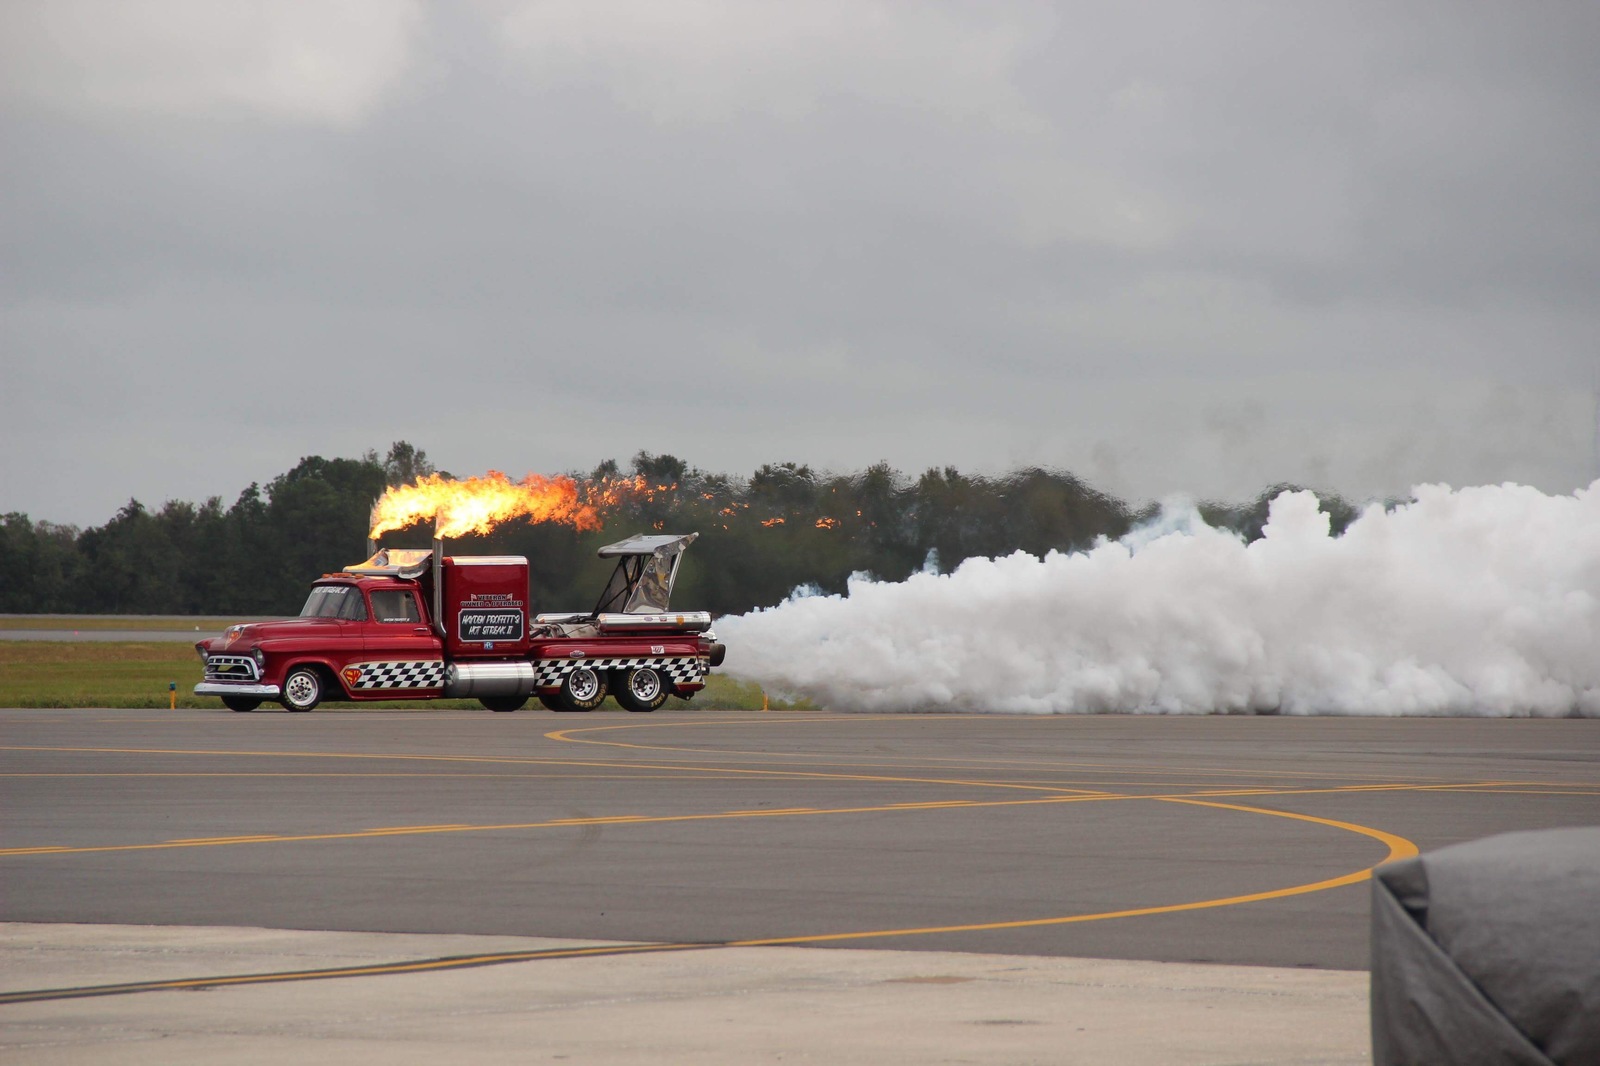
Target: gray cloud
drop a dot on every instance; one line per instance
(1173, 248)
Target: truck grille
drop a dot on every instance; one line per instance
(231, 668)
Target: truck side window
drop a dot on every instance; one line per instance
(354, 608)
(394, 605)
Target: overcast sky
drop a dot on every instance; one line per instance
(1172, 247)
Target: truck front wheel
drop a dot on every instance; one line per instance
(583, 690)
(642, 689)
(240, 703)
(302, 689)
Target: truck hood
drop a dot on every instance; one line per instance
(249, 634)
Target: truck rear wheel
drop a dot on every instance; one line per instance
(583, 690)
(503, 703)
(552, 703)
(302, 689)
(642, 689)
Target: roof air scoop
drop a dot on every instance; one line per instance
(408, 563)
(647, 568)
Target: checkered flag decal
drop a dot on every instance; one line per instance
(683, 670)
(426, 673)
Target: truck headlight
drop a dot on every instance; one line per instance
(260, 657)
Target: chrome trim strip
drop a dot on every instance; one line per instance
(690, 620)
(206, 688)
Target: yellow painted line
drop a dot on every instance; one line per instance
(630, 819)
(606, 819)
(554, 823)
(257, 838)
(380, 969)
(657, 767)
(415, 828)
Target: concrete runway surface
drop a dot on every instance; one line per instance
(1049, 840)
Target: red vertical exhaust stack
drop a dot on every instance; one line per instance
(438, 583)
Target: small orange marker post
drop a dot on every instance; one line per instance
(172, 693)
(763, 701)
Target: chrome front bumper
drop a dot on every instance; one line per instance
(218, 688)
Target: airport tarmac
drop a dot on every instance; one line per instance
(816, 878)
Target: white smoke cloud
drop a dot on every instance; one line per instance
(1478, 601)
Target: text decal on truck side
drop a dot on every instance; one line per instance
(491, 625)
(490, 616)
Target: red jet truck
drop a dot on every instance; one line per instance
(415, 624)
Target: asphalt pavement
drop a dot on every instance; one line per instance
(709, 843)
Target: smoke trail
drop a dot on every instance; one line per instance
(1478, 601)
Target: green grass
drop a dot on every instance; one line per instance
(136, 674)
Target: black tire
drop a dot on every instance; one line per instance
(583, 689)
(302, 689)
(240, 703)
(552, 703)
(503, 703)
(642, 689)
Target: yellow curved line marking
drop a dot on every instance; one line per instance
(1399, 848)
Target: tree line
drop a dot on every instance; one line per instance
(782, 527)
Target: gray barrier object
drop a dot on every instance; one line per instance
(1489, 953)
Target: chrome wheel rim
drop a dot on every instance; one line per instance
(645, 684)
(302, 689)
(583, 684)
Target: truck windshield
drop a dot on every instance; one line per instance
(334, 601)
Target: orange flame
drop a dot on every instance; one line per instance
(827, 523)
(769, 523)
(478, 504)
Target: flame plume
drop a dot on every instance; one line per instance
(478, 504)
